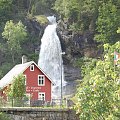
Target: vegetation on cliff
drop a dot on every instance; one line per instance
(15, 35)
(86, 18)
(88, 22)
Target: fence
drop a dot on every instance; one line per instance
(35, 103)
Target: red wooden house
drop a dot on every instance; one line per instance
(38, 84)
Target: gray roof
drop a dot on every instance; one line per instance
(15, 71)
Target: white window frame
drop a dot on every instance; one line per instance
(43, 80)
(40, 97)
(32, 68)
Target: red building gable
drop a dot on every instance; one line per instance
(38, 84)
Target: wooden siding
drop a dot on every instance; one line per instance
(32, 86)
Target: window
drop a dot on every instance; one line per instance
(32, 68)
(41, 96)
(41, 80)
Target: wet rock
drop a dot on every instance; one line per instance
(71, 73)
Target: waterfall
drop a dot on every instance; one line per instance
(50, 56)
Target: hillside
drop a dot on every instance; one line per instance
(81, 29)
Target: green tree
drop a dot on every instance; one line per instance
(107, 23)
(82, 14)
(17, 90)
(37, 7)
(15, 34)
(86, 65)
(98, 97)
(70, 10)
(5, 10)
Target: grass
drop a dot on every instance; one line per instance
(41, 19)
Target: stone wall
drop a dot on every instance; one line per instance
(40, 114)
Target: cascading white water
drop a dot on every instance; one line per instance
(50, 56)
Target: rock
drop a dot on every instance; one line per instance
(71, 73)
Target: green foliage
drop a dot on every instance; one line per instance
(15, 34)
(3, 116)
(14, 31)
(16, 92)
(17, 89)
(42, 19)
(118, 31)
(33, 57)
(81, 13)
(86, 65)
(4, 69)
(5, 10)
(98, 96)
(107, 23)
(101, 17)
(66, 7)
(1, 74)
(70, 9)
(37, 7)
(2, 101)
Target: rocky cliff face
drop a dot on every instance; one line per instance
(75, 45)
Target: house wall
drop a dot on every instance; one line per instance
(32, 84)
(3, 93)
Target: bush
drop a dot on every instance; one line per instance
(41, 19)
(98, 96)
(3, 116)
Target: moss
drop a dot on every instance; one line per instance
(41, 19)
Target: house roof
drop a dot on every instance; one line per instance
(15, 71)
